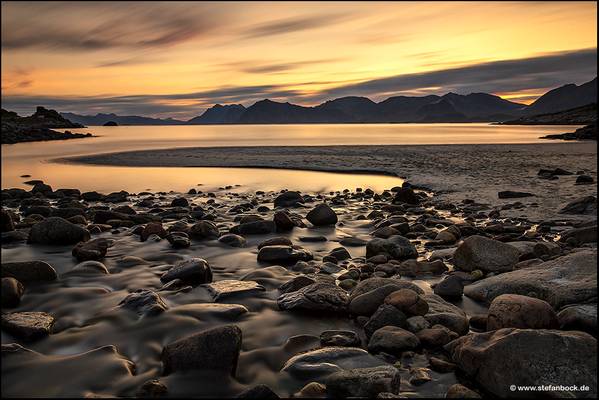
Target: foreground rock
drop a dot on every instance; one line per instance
(27, 326)
(94, 249)
(214, 349)
(230, 287)
(283, 254)
(579, 317)
(29, 271)
(488, 255)
(316, 363)
(498, 359)
(444, 313)
(516, 311)
(392, 340)
(326, 297)
(565, 280)
(192, 271)
(57, 231)
(363, 382)
(395, 247)
(12, 291)
(322, 215)
(144, 302)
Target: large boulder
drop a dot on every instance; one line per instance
(395, 247)
(322, 215)
(587, 234)
(479, 252)
(12, 291)
(214, 349)
(392, 340)
(579, 317)
(191, 271)
(94, 249)
(57, 231)
(288, 199)
(327, 360)
(28, 326)
(527, 357)
(565, 280)
(283, 254)
(319, 296)
(444, 313)
(28, 271)
(516, 311)
(363, 382)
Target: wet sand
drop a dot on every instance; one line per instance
(455, 172)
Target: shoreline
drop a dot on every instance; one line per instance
(454, 172)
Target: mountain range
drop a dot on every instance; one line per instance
(451, 107)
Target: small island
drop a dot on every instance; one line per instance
(37, 127)
(110, 123)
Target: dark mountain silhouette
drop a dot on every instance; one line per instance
(451, 107)
(101, 119)
(574, 116)
(355, 109)
(272, 112)
(219, 114)
(564, 98)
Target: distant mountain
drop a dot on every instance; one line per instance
(219, 114)
(575, 116)
(440, 111)
(101, 119)
(403, 108)
(272, 112)
(353, 109)
(564, 98)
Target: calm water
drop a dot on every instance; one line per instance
(35, 158)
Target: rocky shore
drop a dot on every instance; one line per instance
(37, 127)
(277, 294)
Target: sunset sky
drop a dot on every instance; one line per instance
(175, 59)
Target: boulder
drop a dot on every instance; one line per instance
(517, 311)
(283, 254)
(288, 199)
(408, 301)
(565, 280)
(254, 228)
(395, 247)
(233, 240)
(392, 340)
(319, 362)
(587, 234)
(385, 315)
(324, 297)
(444, 313)
(178, 240)
(191, 271)
(488, 255)
(27, 326)
(363, 382)
(450, 288)
(339, 338)
(527, 357)
(579, 317)
(144, 302)
(29, 271)
(366, 302)
(57, 231)
(322, 215)
(214, 349)
(406, 195)
(153, 228)
(204, 230)
(283, 222)
(94, 249)
(584, 205)
(295, 284)
(12, 291)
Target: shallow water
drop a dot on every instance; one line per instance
(85, 307)
(34, 158)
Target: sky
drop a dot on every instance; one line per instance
(175, 59)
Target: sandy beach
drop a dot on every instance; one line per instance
(454, 172)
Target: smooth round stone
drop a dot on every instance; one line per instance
(408, 301)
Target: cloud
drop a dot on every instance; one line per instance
(290, 25)
(93, 26)
(510, 76)
(544, 71)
